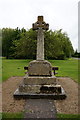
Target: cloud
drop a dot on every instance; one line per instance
(60, 14)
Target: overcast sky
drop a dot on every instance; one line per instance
(60, 14)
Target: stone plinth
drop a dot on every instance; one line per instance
(40, 68)
(29, 88)
(40, 89)
(38, 80)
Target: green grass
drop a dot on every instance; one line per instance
(12, 115)
(13, 67)
(0, 69)
(60, 116)
(66, 116)
(0, 116)
(67, 68)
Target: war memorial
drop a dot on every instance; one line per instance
(40, 80)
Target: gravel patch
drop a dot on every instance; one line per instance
(67, 106)
(70, 104)
(9, 104)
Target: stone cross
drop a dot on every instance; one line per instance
(40, 26)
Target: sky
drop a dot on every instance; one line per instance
(60, 14)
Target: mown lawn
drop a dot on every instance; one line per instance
(0, 69)
(67, 68)
(59, 116)
(12, 115)
(13, 67)
(68, 117)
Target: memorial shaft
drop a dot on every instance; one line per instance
(40, 44)
(40, 26)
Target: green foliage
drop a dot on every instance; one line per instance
(76, 54)
(25, 47)
(22, 44)
(8, 36)
(57, 45)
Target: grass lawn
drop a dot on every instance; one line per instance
(67, 68)
(60, 116)
(13, 67)
(68, 116)
(0, 69)
(12, 115)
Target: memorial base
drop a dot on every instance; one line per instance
(20, 95)
(39, 82)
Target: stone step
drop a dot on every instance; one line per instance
(40, 89)
(39, 80)
(25, 95)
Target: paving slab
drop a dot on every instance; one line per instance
(40, 108)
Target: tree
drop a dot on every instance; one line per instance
(25, 47)
(8, 36)
(18, 43)
(57, 45)
(76, 54)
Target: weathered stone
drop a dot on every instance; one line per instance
(50, 89)
(38, 80)
(40, 88)
(40, 45)
(29, 88)
(40, 68)
(20, 95)
(40, 26)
